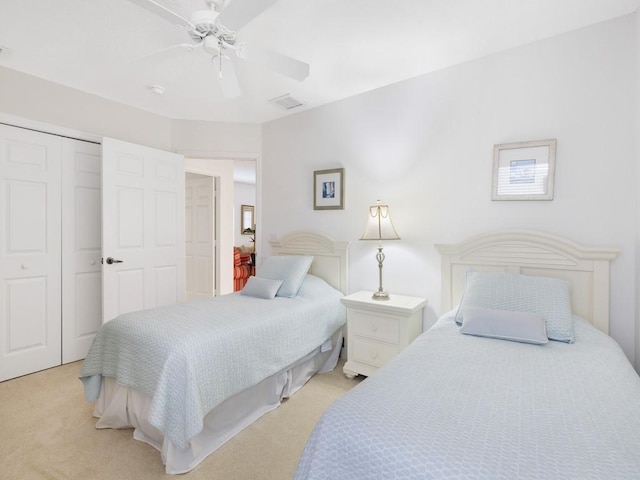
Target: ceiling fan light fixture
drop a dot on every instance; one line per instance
(211, 44)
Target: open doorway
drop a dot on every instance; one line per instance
(227, 217)
(245, 199)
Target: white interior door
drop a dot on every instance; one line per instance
(200, 224)
(142, 228)
(81, 247)
(30, 258)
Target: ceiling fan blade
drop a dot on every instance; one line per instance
(188, 47)
(227, 77)
(287, 66)
(277, 62)
(164, 12)
(240, 12)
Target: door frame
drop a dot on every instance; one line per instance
(21, 122)
(223, 178)
(213, 164)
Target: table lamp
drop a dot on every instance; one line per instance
(379, 227)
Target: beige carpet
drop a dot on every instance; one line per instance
(47, 431)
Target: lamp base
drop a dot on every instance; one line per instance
(380, 296)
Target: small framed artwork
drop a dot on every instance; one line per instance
(247, 222)
(328, 189)
(524, 170)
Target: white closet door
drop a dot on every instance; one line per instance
(200, 224)
(143, 228)
(30, 245)
(81, 247)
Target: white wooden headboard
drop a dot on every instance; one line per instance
(330, 257)
(533, 253)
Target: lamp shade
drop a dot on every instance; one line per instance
(379, 226)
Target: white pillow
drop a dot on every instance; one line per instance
(549, 297)
(523, 327)
(290, 269)
(261, 287)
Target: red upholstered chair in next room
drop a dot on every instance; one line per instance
(242, 268)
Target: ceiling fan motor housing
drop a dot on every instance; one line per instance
(214, 31)
(205, 23)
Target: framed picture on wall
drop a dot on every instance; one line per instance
(524, 170)
(328, 189)
(247, 220)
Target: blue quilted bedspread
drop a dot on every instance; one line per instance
(190, 357)
(453, 406)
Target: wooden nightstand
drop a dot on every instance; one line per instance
(377, 330)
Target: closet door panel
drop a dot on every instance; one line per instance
(82, 249)
(30, 244)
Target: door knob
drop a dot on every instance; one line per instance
(111, 260)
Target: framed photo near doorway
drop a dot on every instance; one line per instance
(524, 170)
(247, 220)
(328, 189)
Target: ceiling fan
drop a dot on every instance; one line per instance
(215, 29)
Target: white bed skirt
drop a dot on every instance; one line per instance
(123, 407)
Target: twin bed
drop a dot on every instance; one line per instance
(491, 399)
(502, 401)
(189, 377)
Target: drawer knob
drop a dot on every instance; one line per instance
(373, 354)
(374, 327)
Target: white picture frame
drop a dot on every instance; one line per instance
(524, 170)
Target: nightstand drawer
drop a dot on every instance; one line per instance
(372, 352)
(374, 326)
(377, 330)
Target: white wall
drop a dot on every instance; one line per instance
(424, 146)
(36, 99)
(637, 199)
(222, 140)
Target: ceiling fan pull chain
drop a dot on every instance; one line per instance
(220, 59)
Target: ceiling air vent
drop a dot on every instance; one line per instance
(286, 101)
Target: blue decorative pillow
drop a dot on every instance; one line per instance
(261, 287)
(525, 327)
(549, 297)
(290, 269)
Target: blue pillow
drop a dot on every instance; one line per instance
(525, 327)
(290, 269)
(549, 297)
(261, 287)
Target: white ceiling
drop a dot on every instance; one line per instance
(99, 46)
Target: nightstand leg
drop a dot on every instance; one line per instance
(349, 374)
